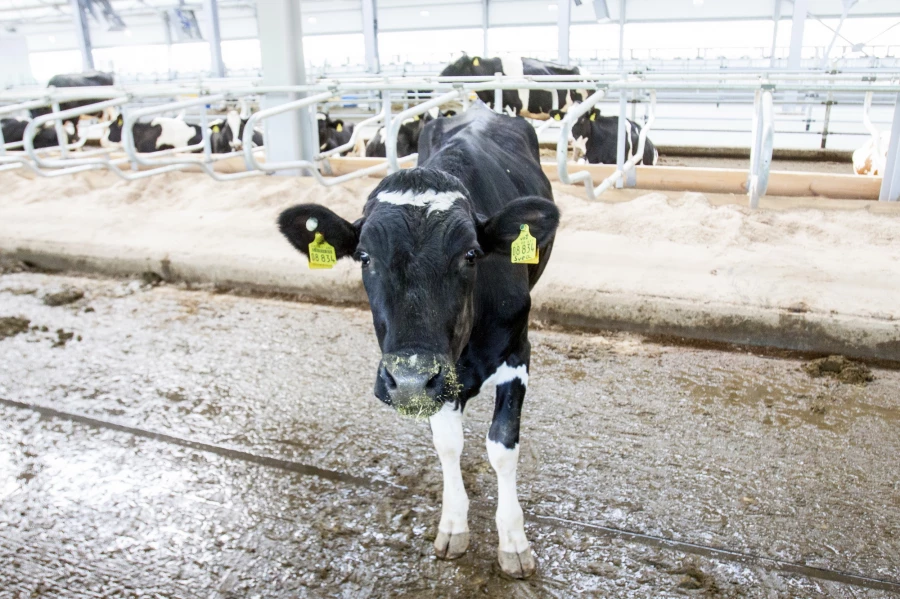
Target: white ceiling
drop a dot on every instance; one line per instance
(48, 23)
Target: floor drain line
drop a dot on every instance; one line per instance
(561, 523)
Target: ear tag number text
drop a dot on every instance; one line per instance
(524, 249)
(321, 254)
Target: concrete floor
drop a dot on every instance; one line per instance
(183, 443)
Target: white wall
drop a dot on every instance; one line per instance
(15, 68)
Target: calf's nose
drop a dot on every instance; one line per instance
(415, 385)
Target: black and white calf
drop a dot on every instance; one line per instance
(535, 104)
(596, 138)
(333, 133)
(228, 135)
(45, 137)
(450, 309)
(162, 133)
(407, 136)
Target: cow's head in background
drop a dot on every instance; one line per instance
(115, 128)
(419, 244)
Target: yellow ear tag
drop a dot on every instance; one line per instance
(416, 118)
(215, 128)
(120, 120)
(339, 127)
(321, 254)
(593, 116)
(524, 249)
(557, 117)
(475, 62)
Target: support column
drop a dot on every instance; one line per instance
(370, 35)
(83, 35)
(775, 20)
(485, 23)
(217, 65)
(622, 35)
(890, 185)
(564, 8)
(848, 4)
(288, 136)
(798, 23)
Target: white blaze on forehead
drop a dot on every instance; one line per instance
(234, 122)
(435, 201)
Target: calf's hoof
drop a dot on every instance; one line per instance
(517, 565)
(451, 546)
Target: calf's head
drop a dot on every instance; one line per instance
(419, 244)
(115, 128)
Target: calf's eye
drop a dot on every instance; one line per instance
(471, 256)
(364, 258)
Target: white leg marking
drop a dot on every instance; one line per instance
(510, 520)
(513, 552)
(453, 531)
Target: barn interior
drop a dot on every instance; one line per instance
(714, 388)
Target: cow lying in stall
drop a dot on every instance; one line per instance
(450, 309)
(87, 79)
(596, 138)
(45, 137)
(535, 104)
(333, 133)
(407, 136)
(228, 135)
(162, 133)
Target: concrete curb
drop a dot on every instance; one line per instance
(790, 276)
(809, 332)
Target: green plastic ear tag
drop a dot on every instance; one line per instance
(339, 128)
(475, 62)
(593, 116)
(215, 128)
(321, 254)
(524, 249)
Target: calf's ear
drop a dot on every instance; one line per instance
(301, 223)
(497, 233)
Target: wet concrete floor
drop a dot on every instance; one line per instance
(164, 442)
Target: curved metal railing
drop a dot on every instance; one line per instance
(794, 88)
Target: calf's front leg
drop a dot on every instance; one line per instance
(514, 551)
(453, 531)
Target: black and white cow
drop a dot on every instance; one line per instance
(535, 104)
(407, 136)
(333, 133)
(162, 133)
(450, 309)
(228, 135)
(45, 137)
(86, 79)
(596, 138)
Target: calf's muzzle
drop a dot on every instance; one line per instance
(416, 384)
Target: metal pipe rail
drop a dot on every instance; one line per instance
(562, 146)
(446, 89)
